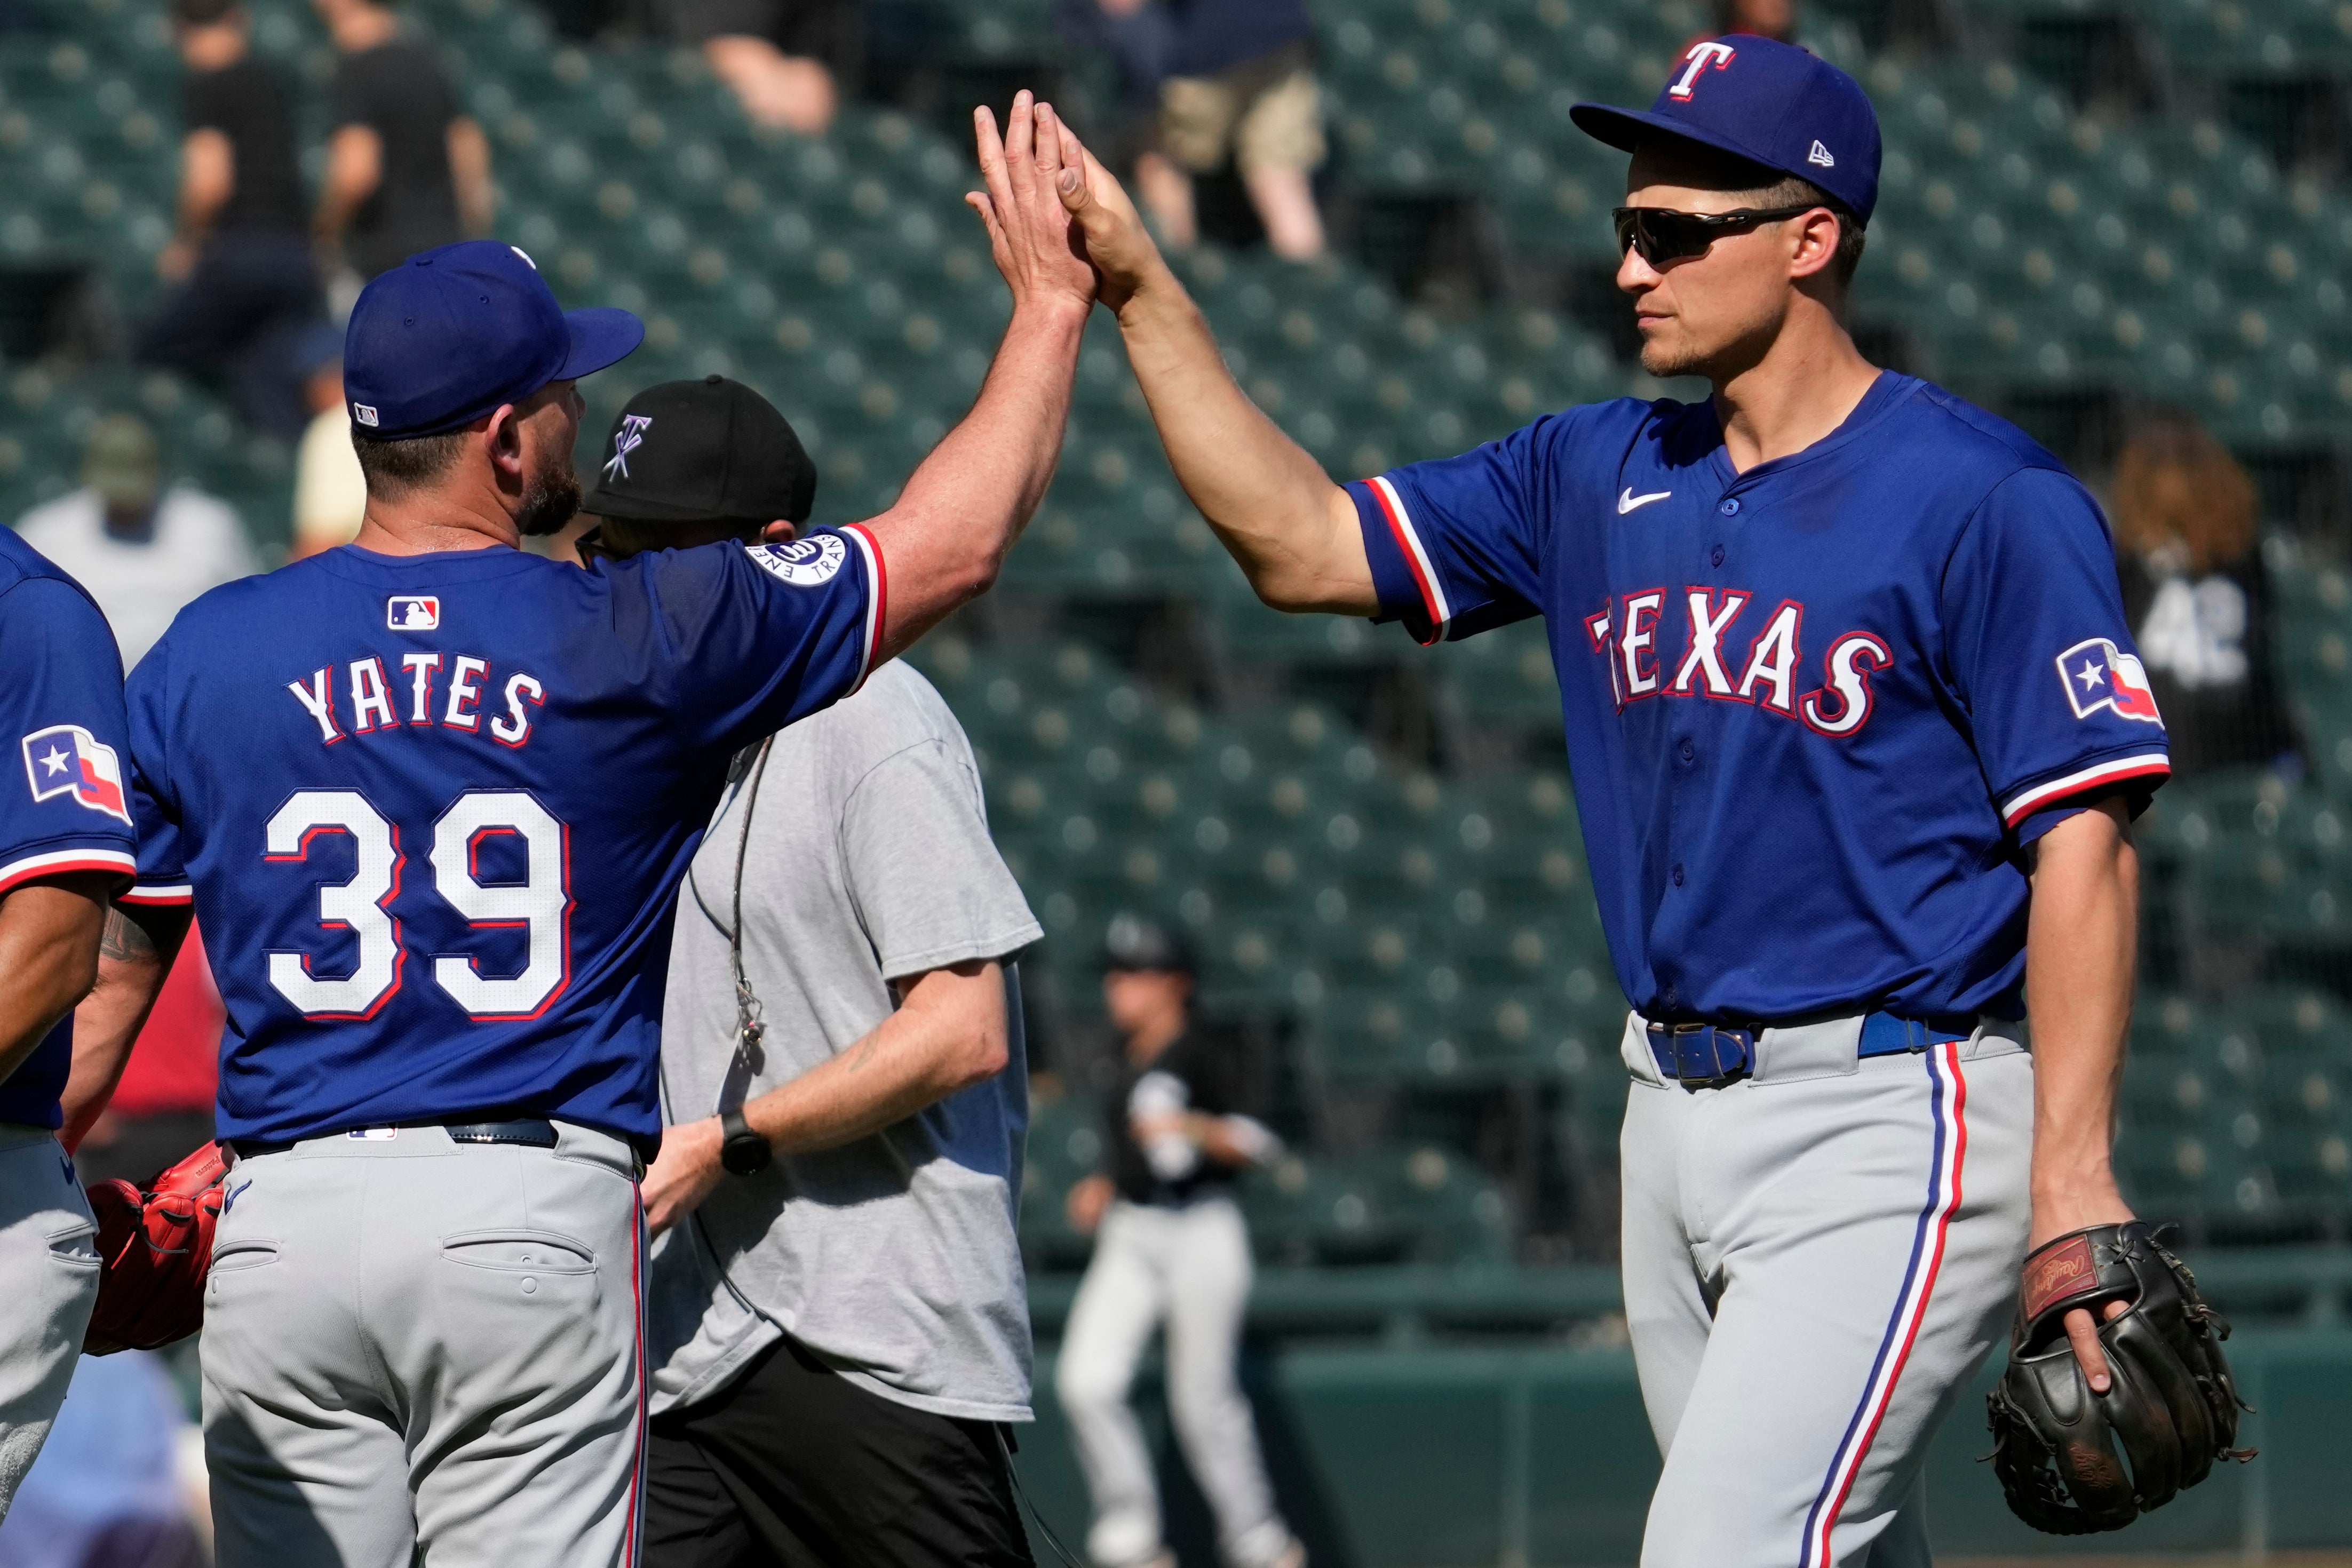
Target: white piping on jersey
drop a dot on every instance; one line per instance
(56, 862)
(2138, 767)
(159, 892)
(1424, 570)
(877, 590)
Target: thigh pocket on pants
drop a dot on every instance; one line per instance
(75, 1245)
(235, 1257)
(519, 1251)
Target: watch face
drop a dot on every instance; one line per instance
(747, 1155)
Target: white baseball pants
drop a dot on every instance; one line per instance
(1816, 1260)
(419, 1350)
(1192, 1267)
(49, 1256)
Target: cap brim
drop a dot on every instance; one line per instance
(601, 335)
(1624, 128)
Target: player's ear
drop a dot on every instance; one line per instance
(502, 432)
(780, 532)
(1814, 242)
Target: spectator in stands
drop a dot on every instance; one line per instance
(161, 1108)
(406, 171)
(143, 551)
(243, 283)
(330, 491)
(1170, 1243)
(1774, 19)
(769, 52)
(1241, 84)
(1138, 37)
(2187, 542)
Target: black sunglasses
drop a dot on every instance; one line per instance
(1662, 234)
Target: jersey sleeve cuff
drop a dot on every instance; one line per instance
(67, 863)
(1404, 576)
(2141, 771)
(877, 597)
(158, 893)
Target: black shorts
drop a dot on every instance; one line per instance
(793, 1466)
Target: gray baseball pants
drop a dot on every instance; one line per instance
(1816, 1260)
(417, 1349)
(49, 1256)
(1189, 1266)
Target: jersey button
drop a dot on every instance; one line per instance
(1730, 508)
(1716, 558)
(1689, 751)
(1678, 876)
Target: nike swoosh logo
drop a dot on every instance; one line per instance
(1628, 501)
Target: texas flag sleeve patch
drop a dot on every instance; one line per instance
(2098, 674)
(67, 760)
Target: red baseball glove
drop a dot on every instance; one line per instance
(157, 1246)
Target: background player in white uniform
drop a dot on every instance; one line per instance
(65, 844)
(1856, 731)
(433, 796)
(1170, 1247)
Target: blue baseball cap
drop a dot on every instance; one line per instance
(1770, 103)
(451, 333)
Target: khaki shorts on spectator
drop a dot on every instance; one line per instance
(1268, 119)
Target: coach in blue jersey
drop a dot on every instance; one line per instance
(1857, 732)
(432, 796)
(65, 844)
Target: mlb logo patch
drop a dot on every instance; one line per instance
(364, 414)
(2098, 674)
(67, 760)
(413, 612)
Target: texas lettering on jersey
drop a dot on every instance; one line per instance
(1634, 633)
(363, 697)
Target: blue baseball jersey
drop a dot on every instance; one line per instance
(1814, 710)
(432, 809)
(66, 808)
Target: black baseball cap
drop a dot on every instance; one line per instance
(451, 333)
(1135, 944)
(711, 451)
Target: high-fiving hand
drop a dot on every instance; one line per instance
(1030, 231)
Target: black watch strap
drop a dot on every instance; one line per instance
(742, 1151)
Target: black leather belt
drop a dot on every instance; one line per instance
(530, 1132)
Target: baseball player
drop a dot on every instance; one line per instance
(432, 796)
(1170, 1244)
(1857, 732)
(65, 844)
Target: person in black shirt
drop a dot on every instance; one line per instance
(245, 288)
(2187, 535)
(1170, 1244)
(405, 171)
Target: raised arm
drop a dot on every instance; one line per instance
(1293, 530)
(963, 507)
(948, 1033)
(2080, 947)
(141, 941)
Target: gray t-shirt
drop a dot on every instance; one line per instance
(894, 1259)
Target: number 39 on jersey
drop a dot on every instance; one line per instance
(539, 905)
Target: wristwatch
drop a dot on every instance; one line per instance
(742, 1151)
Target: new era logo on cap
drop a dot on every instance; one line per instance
(1821, 155)
(413, 612)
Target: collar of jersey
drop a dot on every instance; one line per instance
(1887, 394)
(448, 565)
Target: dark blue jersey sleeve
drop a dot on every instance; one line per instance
(68, 808)
(750, 639)
(1457, 544)
(2058, 704)
(154, 806)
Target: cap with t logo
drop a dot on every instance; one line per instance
(711, 451)
(1770, 103)
(451, 333)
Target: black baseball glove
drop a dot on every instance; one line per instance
(2169, 1405)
